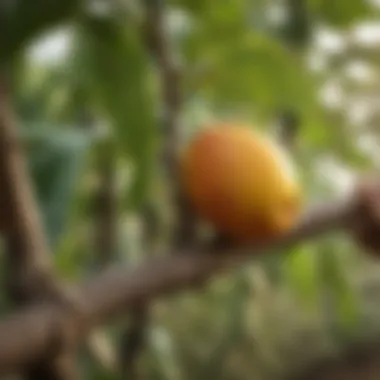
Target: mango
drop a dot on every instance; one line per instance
(241, 182)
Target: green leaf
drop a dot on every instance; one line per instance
(255, 71)
(22, 21)
(337, 285)
(116, 69)
(302, 275)
(56, 160)
(342, 13)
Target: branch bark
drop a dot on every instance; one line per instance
(32, 334)
(30, 276)
(22, 223)
(360, 362)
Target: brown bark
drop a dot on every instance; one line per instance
(29, 335)
(355, 363)
(184, 233)
(29, 272)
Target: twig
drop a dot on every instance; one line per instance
(157, 38)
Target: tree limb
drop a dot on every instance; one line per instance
(114, 291)
(356, 362)
(30, 277)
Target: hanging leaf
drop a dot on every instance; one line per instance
(56, 160)
(114, 64)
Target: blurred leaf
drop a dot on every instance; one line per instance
(23, 20)
(165, 353)
(342, 13)
(251, 69)
(302, 274)
(116, 69)
(337, 286)
(331, 137)
(56, 160)
(234, 330)
(37, 92)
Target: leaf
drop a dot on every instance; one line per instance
(341, 13)
(302, 274)
(23, 20)
(234, 330)
(56, 159)
(251, 69)
(337, 285)
(116, 70)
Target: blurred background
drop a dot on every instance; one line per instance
(88, 86)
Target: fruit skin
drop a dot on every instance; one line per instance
(241, 182)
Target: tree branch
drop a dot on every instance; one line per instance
(116, 289)
(23, 225)
(30, 277)
(30, 335)
(358, 361)
(158, 41)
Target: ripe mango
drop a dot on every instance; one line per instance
(241, 182)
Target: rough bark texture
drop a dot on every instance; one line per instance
(29, 274)
(31, 334)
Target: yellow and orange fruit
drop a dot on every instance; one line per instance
(241, 182)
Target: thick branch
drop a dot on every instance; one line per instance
(358, 361)
(22, 222)
(30, 335)
(118, 289)
(29, 272)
